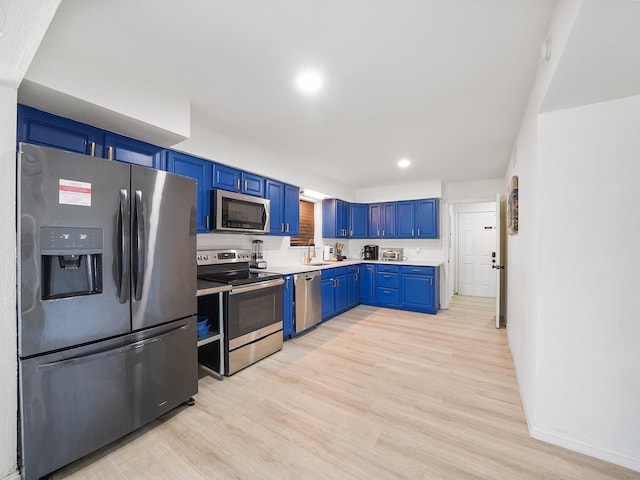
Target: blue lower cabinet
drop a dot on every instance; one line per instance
(387, 297)
(335, 291)
(387, 285)
(367, 283)
(287, 307)
(328, 305)
(420, 288)
(353, 286)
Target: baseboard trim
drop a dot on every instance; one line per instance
(588, 449)
(12, 476)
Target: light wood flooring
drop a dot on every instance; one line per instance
(371, 394)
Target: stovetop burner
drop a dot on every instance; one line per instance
(230, 267)
(239, 277)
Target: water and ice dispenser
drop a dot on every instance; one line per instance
(71, 261)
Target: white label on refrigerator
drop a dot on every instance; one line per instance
(71, 192)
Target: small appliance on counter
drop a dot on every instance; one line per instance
(370, 252)
(392, 254)
(257, 260)
(327, 253)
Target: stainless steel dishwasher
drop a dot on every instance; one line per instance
(308, 300)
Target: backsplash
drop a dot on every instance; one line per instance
(278, 252)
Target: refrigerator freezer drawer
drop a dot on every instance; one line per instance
(79, 400)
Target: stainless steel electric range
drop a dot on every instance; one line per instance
(253, 308)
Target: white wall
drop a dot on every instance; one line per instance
(206, 143)
(391, 193)
(589, 330)
(478, 191)
(522, 271)
(22, 27)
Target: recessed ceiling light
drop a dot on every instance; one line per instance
(404, 162)
(310, 81)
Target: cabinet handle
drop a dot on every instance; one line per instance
(377, 233)
(287, 229)
(387, 276)
(430, 281)
(246, 185)
(383, 233)
(237, 184)
(337, 282)
(282, 228)
(206, 221)
(351, 234)
(110, 153)
(418, 232)
(412, 232)
(387, 292)
(356, 277)
(92, 149)
(416, 269)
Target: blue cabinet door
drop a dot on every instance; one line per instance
(285, 207)
(427, 213)
(202, 171)
(275, 192)
(353, 286)
(328, 304)
(129, 150)
(375, 216)
(226, 178)
(417, 292)
(252, 184)
(332, 218)
(234, 180)
(42, 128)
(389, 220)
(340, 293)
(287, 307)
(367, 283)
(406, 219)
(359, 213)
(291, 210)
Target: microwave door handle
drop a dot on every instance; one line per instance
(123, 246)
(140, 241)
(265, 219)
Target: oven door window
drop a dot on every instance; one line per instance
(253, 310)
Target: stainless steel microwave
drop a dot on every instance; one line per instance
(239, 213)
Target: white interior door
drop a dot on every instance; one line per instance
(497, 259)
(476, 234)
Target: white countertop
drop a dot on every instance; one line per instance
(287, 269)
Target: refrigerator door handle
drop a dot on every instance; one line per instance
(139, 242)
(124, 246)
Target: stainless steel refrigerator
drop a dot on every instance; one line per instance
(106, 302)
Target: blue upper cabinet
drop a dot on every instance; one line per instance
(417, 218)
(202, 171)
(406, 219)
(234, 180)
(382, 220)
(129, 150)
(335, 218)
(427, 214)
(41, 128)
(359, 220)
(285, 208)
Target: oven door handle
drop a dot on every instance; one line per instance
(256, 286)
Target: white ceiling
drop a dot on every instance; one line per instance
(443, 82)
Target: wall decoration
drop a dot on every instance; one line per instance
(512, 206)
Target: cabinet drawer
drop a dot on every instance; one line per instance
(354, 268)
(387, 268)
(340, 271)
(388, 296)
(388, 280)
(327, 273)
(418, 270)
